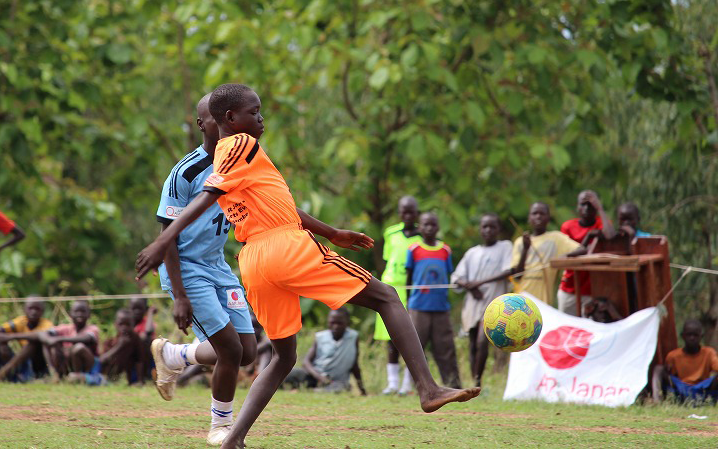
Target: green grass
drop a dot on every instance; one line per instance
(73, 416)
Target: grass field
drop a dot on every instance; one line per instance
(71, 416)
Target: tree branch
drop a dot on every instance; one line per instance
(345, 92)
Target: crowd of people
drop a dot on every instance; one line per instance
(213, 188)
(413, 256)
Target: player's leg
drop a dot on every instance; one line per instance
(383, 299)
(444, 349)
(481, 343)
(262, 389)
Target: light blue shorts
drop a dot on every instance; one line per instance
(213, 307)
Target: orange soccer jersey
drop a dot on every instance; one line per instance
(255, 196)
(280, 261)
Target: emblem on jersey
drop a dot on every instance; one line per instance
(173, 211)
(214, 179)
(235, 299)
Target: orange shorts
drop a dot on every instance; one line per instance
(282, 264)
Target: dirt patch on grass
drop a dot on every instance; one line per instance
(54, 414)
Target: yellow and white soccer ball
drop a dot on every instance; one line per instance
(512, 322)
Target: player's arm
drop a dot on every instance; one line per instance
(340, 237)
(409, 276)
(153, 255)
(17, 235)
(308, 365)
(182, 310)
(84, 338)
(356, 372)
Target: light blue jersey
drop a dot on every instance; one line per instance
(201, 244)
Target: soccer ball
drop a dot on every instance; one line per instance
(512, 322)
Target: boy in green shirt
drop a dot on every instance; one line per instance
(397, 239)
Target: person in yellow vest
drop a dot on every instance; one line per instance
(29, 363)
(397, 239)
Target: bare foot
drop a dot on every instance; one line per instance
(443, 396)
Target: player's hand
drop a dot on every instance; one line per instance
(150, 257)
(354, 241)
(152, 310)
(182, 313)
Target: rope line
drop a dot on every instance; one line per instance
(686, 269)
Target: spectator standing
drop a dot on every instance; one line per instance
(629, 218)
(397, 239)
(8, 226)
(592, 217)
(539, 278)
(429, 262)
(474, 275)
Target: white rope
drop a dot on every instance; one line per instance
(84, 298)
(687, 269)
(698, 270)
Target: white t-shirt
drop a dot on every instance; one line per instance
(482, 262)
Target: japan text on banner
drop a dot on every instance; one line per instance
(582, 361)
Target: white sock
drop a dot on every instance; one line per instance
(221, 413)
(392, 375)
(406, 383)
(180, 355)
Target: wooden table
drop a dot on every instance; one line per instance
(633, 275)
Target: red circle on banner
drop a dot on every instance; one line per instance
(235, 296)
(565, 346)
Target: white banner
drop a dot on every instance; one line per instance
(582, 361)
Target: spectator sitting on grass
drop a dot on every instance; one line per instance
(125, 352)
(29, 362)
(144, 327)
(689, 372)
(333, 356)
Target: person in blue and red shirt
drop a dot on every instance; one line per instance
(429, 262)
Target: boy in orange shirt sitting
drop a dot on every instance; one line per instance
(689, 372)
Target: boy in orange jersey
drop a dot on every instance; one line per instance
(282, 260)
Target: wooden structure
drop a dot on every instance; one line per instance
(633, 276)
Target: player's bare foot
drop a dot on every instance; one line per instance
(434, 401)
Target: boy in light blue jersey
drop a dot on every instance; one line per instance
(207, 295)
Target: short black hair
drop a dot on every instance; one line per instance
(692, 322)
(633, 207)
(226, 97)
(492, 215)
(343, 311)
(123, 311)
(541, 203)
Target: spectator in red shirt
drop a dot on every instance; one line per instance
(592, 220)
(8, 226)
